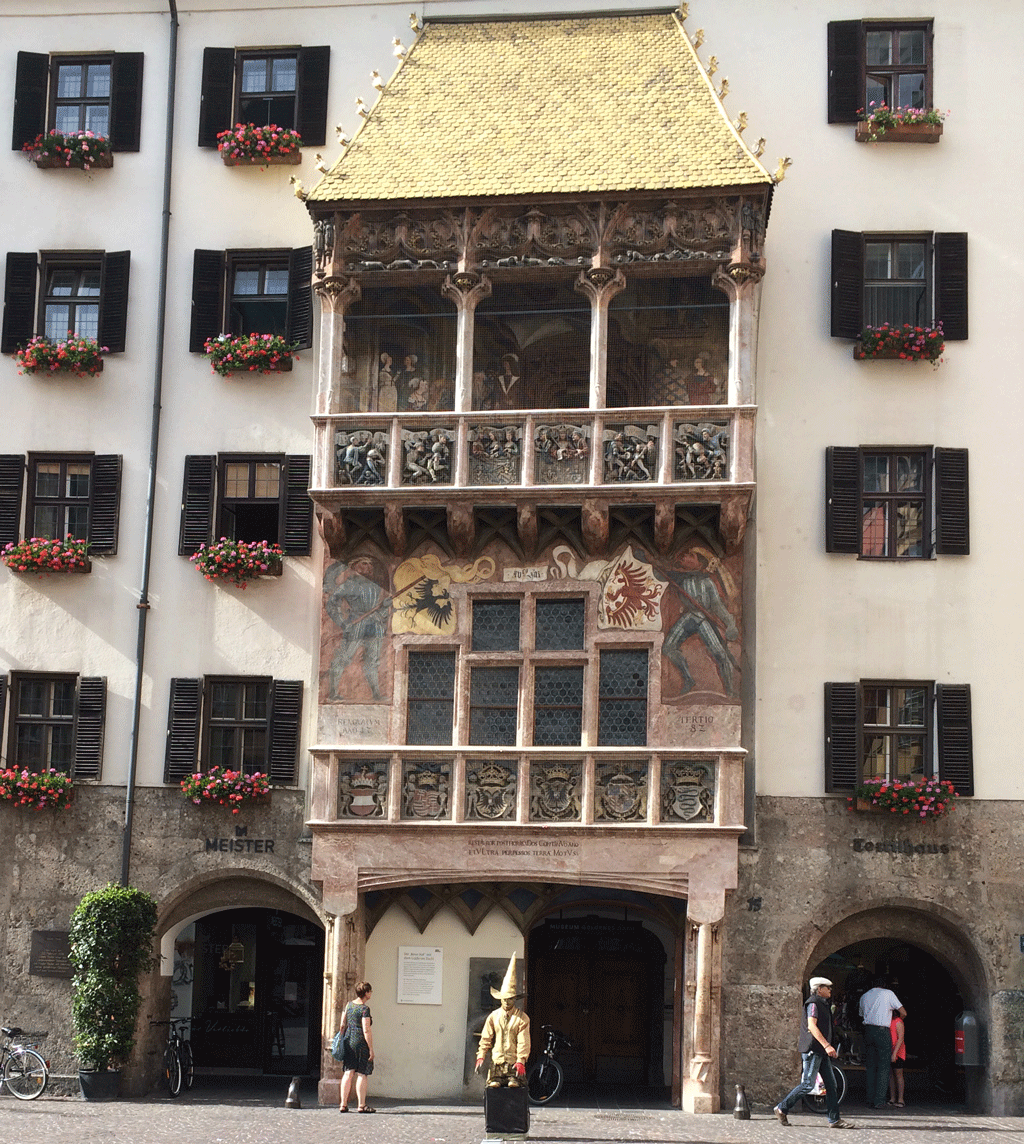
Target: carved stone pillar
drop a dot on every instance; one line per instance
(741, 282)
(700, 1082)
(600, 284)
(344, 961)
(465, 288)
(333, 395)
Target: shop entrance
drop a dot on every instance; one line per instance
(251, 979)
(933, 1002)
(601, 982)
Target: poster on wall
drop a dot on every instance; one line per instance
(419, 974)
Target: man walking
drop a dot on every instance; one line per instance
(817, 1051)
(876, 1009)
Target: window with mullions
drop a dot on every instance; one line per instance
(55, 720)
(81, 96)
(250, 499)
(71, 300)
(237, 725)
(59, 498)
(622, 698)
(878, 61)
(896, 731)
(267, 88)
(895, 504)
(895, 282)
(259, 296)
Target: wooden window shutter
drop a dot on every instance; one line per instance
(842, 499)
(197, 504)
(285, 726)
(952, 503)
(847, 284)
(3, 704)
(208, 269)
(842, 738)
(951, 285)
(845, 70)
(19, 301)
(30, 82)
(126, 101)
(12, 478)
(314, 73)
(216, 106)
(105, 508)
(182, 754)
(90, 715)
(113, 325)
(956, 749)
(297, 529)
(300, 297)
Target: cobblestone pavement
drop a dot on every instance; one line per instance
(218, 1118)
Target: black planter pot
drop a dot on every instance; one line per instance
(100, 1085)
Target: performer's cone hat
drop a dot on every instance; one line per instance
(508, 986)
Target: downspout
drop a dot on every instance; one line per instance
(154, 442)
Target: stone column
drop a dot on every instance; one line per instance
(465, 288)
(741, 282)
(333, 367)
(701, 1064)
(344, 962)
(600, 284)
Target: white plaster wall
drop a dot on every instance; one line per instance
(420, 1049)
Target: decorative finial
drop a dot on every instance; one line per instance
(414, 22)
(318, 162)
(723, 91)
(399, 49)
(297, 188)
(698, 38)
(741, 123)
(760, 147)
(780, 170)
(342, 137)
(375, 79)
(684, 11)
(712, 65)
(361, 107)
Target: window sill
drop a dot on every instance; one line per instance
(903, 133)
(55, 163)
(293, 159)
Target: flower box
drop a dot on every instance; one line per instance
(249, 353)
(75, 149)
(44, 790)
(282, 366)
(75, 163)
(77, 356)
(247, 145)
(239, 561)
(919, 798)
(41, 556)
(903, 343)
(901, 133)
(291, 160)
(225, 787)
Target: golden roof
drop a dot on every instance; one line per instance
(544, 107)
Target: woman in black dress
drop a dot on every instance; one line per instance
(357, 1037)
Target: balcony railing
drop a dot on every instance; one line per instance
(429, 454)
(473, 787)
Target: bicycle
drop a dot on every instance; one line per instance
(545, 1077)
(25, 1071)
(814, 1101)
(178, 1063)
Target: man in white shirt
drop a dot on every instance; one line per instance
(877, 1007)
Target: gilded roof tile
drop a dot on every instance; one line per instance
(542, 106)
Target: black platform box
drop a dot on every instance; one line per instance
(506, 1111)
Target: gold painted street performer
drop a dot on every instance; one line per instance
(506, 1033)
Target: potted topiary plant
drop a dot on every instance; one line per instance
(110, 942)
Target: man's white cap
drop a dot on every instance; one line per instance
(816, 981)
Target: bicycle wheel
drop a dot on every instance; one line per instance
(172, 1070)
(25, 1074)
(188, 1068)
(818, 1103)
(544, 1081)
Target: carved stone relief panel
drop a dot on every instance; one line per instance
(495, 454)
(491, 791)
(620, 792)
(426, 789)
(363, 789)
(555, 791)
(360, 457)
(428, 456)
(630, 453)
(702, 451)
(562, 454)
(687, 791)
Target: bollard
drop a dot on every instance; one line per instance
(293, 1101)
(742, 1109)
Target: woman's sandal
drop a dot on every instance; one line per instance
(366, 1108)
(343, 1108)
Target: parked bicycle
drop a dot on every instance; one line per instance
(814, 1101)
(25, 1071)
(545, 1077)
(178, 1065)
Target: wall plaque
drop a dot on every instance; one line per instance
(49, 954)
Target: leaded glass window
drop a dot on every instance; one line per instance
(431, 697)
(557, 706)
(493, 703)
(496, 625)
(560, 624)
(622, 699)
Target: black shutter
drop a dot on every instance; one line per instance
(285, 724)
(956, 748)
(106, 499)
(845, 70)
(842, 499)
(297, 511)
(126, 101)
(952, 503)
(90, 714)
(847, 284)
(12, 477)
(3, 707)
(300, 297)
(216, 108)
(208, 270)
(197, 504)
(29, 98)
(842, 767)
(314, 73)
(113, 324)
(951, 285)
(182, 755)
(19, 301)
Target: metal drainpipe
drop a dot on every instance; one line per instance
(154, 443)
